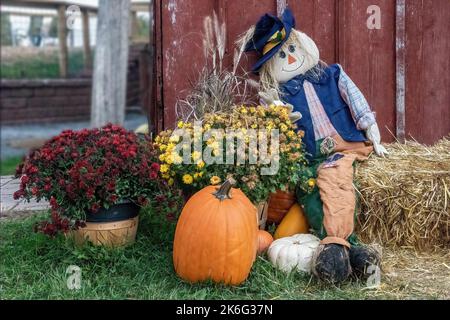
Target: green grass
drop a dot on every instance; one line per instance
(33, 266)
(8, 166)
(41, 66)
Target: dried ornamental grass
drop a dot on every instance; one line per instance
(405, 197)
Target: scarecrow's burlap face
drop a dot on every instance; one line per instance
(298, 55)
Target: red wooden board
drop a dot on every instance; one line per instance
(427, 69)
(340, 30)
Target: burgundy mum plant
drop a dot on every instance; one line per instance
(83, 171)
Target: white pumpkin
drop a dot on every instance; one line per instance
(295, 252)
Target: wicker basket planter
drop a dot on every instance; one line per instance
(113, 227)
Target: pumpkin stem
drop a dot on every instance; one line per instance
(223, 192)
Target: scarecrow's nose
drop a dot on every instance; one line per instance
(291, 59)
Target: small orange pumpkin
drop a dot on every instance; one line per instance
(265, 239)
(216, 236)
(279, 204)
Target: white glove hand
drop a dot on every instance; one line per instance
(373, 134)
(272, 97)
(295, 116)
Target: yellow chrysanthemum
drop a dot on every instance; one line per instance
(187, 179)
(196, 155)
(215, 180)
(283, 127)
(290, 134)
(162, 157)
(170, 147)
(169, 158)
(162, 147)
(180, 124)
(174, 158)
(201, 164)
(198, 175)
(170, 182)
(311, 182)
(164, 168)
(214, 145)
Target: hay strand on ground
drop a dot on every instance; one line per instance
(405, 198)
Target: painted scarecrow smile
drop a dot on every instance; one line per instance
(299, 65)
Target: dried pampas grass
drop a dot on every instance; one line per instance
(216, 90)
(405, 198)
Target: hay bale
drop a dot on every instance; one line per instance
(405, 198)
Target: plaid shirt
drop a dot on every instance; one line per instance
(360, 109)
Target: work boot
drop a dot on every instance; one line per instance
(331, 263)
(361, 257)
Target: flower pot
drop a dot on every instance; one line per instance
(279, 204)
(118, 212)
(112, 227)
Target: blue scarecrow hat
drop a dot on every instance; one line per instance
(270, 34)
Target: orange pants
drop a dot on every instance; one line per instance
(337, 193)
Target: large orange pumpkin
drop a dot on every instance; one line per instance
(216, 236)
(279, 204)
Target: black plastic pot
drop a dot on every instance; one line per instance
(121, 211)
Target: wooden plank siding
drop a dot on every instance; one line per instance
(339, 27)
(427, 69)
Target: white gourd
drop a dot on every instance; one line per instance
(295, 252)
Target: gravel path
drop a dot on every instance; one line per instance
(14, 135)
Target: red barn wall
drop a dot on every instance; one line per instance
(340, 30)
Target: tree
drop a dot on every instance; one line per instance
(5, 30)
(109, 83)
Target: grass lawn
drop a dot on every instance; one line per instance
(36, 63)
(8, 166)
(33, 266)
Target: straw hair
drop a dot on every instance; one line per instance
(405, 198)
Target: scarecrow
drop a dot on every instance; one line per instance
(339, 129)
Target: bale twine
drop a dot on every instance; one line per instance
(404, 198)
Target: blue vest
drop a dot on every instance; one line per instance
(335, 107)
